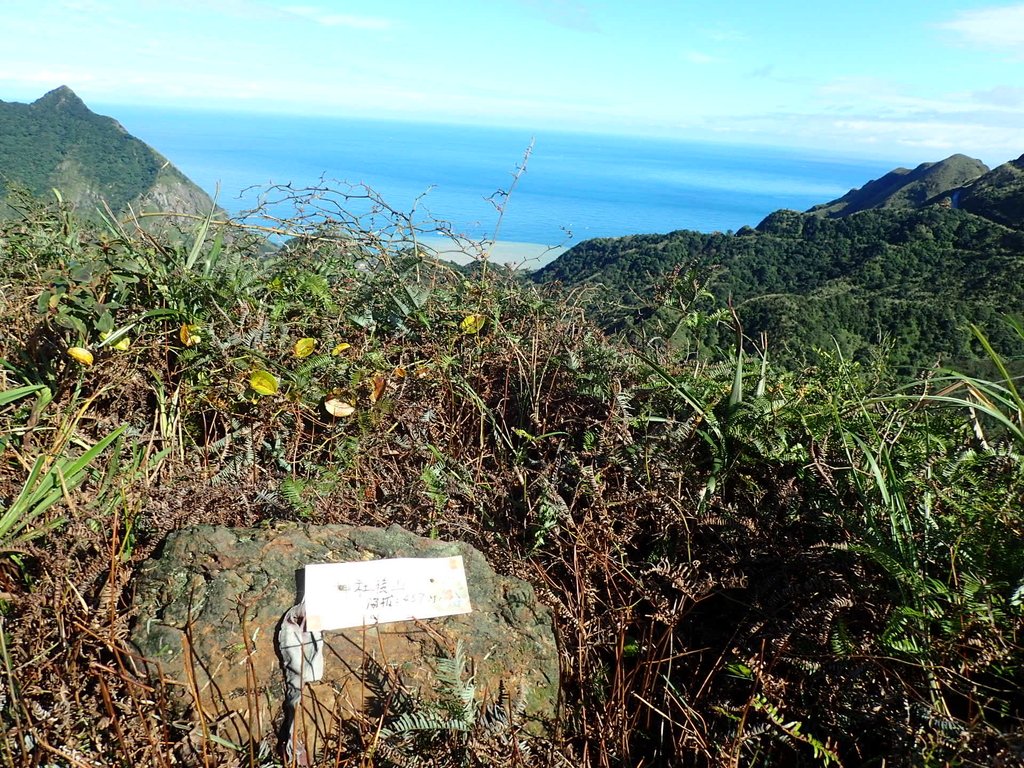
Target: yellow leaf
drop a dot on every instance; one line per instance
(81, 354)
(340, 348)
(338, 408)
(399, 372)
(304, 347)
(189, 335)
(263, 383)
(473, 324)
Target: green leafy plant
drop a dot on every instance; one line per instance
(46, 484)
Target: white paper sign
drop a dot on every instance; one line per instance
(355, 594)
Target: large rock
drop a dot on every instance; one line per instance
(209, 607)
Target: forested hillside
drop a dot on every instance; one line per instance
(999, 195)
(57, 142)
(907, 277)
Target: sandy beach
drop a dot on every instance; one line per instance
(520, 255)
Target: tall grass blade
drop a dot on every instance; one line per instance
(197, 246)
(11, 395)
(997, 360)
(736, 393)
(42, 490)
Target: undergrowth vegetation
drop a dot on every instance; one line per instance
(748, 565)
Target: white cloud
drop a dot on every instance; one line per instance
(696, 57)
(365, 23)
(726, 35)
(571, 14)
(999, 26)
(909, 139)
(85, 6)
(1001, 96)
(858, 89)
(890, 100)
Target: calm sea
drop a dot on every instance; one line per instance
(575, 186)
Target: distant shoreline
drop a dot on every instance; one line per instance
(524, 255)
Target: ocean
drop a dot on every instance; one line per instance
(575, 186)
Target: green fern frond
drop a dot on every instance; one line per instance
(457, 688)
(839, 639)
(424, 721)
(314, 363)
(293, 490)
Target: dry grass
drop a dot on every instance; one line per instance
(716, 596)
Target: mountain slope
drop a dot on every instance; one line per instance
(998, 195)
(58, 142)
(903, 188)
(911, 275)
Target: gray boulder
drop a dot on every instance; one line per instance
(208, 609)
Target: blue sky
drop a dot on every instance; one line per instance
(911, 80)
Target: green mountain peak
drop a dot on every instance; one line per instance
(61, 98)
(57, 142)
(903, 188)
